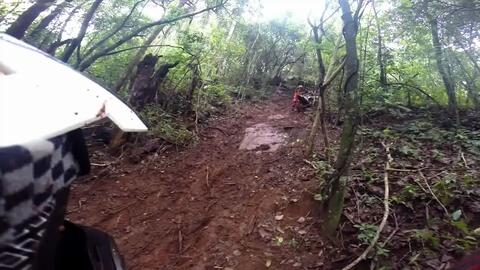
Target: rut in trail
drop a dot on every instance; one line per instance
(211, 206)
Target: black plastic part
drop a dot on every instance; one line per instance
(44, 258)
(72, 250)
(84, 248)
(79, 150)
(102, 251)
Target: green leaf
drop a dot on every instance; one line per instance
(318, 197)
(461, 225)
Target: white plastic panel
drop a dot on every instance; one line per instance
(41, 97)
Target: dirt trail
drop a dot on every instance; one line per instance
(211, 206)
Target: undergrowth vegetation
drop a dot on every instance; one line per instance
(163, 125)
(435, 192)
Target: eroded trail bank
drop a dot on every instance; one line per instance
(236, 200)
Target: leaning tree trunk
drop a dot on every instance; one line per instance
(102, 52)
(127, 74)
(34, 34)
(160, 76)
(319, 113)
(147, 81)
(249, 59)
(469, 83)
(194, 84)
(141, 91)
(325, 79)
(20, 26)
(443, 69)
(335, 188)
(139, 96)
(75, 43)
(58, 42)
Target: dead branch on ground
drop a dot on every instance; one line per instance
(385, 214)
(433, 194)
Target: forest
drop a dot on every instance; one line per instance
(374, 165)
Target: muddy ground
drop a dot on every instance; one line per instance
(215, 206)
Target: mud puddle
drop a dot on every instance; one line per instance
(263, 137)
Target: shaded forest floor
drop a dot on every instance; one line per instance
(213, 206)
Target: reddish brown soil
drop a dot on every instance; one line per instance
(211, 206)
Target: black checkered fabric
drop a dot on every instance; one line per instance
(30, 176)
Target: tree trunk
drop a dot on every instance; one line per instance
(472, 95)
(310, 143)
(443, 69)
(380, 55)
(75, 43)
(20, 26)
(194, 84)
(222, 67)
(409, 98)
(114, 31)
(469, 82)
(147, 81)
(340, 100)
(129, 70)
(318, 51)
(325, 78)
(52, 48)
(141, 92)
(335, 188)
(249, 59)
(33, 35)
(324, 127)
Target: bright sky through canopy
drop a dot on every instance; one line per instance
(299, 10)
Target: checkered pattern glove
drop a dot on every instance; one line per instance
(30, 176)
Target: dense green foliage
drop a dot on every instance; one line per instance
(223, 47)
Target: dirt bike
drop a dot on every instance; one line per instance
(42, 150)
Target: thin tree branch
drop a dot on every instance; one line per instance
(111, 34)
(419, 90)
(149, 46)
(87, 62)
(385, 213)
(334, 74)
(433, 194)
